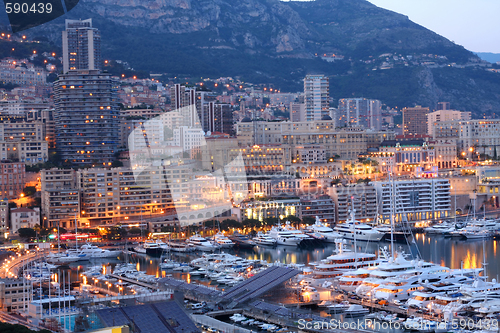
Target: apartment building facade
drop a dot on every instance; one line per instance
(414, 199)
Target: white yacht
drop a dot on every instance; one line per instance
(223, 241)
(155, 248)
(284, 237)
(480, 229)
(341, 261)
(96, 252)
(393, 268)
(480, 285)
(403, 286)
(140, 249)
(476, 233)
(356, 310)
(202, 244)
(297, 233)
(61, 258)
(319, 228)
(358, 230)
(440, 229)
(353, 229)
(263, 239)
(180, 247)
(88, 251)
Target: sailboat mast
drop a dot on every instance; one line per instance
(58, 238)
(353, 217)
(455, 205)
(391, 180)
(76, 232)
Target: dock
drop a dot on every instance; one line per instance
(139, 283)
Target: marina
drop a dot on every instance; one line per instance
(430, 278)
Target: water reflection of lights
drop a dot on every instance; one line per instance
(470, 261)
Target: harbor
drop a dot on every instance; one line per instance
(438, 275)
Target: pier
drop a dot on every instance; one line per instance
(139, 283)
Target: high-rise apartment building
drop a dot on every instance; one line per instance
(317, 95)
(4, 216)
(115, 195)
(360, 112)
(60, 197)
(11, 179)
(415, 120)
(297, 111)
(444, 115)
(220, 118)
(86, 117)
(362, 197)
(414, 200)
(81, 45)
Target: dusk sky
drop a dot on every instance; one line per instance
(473, 24)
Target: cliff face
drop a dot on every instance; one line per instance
(271, 27)
(386, 56)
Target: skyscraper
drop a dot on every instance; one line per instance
(360, 112)
(415, 120)
(86, 117)
(317, 95)
(220, 118)
(81, 46)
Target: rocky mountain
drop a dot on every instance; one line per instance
(367, 51)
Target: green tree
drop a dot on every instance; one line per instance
(308, 220)
(230, 223)
(292, 219)
(27, 233)
(116, 233)
(29, 190)
(271, 221)
(250, 223)
(135, 231)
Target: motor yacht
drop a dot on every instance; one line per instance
(140, 249)
(181, 247)
(392, 268)
(96, 252)
(341, 261)
(284, 237)
(202, 244)
(61, 258)
(328, 234)
(439, 229)
(350, 280)
(474, 232)
(299, 234)
(402, 287)
(356, 310)
(263, 239)
(223, 241)
(358, 230)
(424, 277)
(242, 241)
(155, 248)
(339, 307)
(88, 251)
(169, 264)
